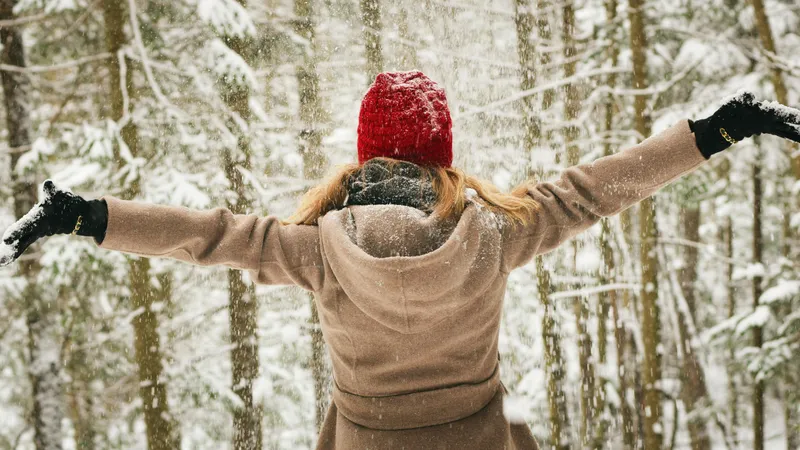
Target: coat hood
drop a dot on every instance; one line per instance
(406, 269)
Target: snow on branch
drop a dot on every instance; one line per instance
(757, 318)
(785, 290)
(226, 17)
(229, 65)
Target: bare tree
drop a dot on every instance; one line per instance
(781, 93)
(373, 27)
(758, 332)
(161, 431)
(611, 299)
(554, 359)
(588, 392)
(243, 305)
(314, 163)
(41, 314)
(648, 235)
(693, 381)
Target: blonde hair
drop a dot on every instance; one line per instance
(449, 185)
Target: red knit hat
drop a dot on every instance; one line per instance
(405, 116)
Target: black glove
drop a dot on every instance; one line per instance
(743, 117)
(61, 212)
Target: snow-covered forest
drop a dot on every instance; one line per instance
(672, 326)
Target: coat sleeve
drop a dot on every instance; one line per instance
(585, 193)
(272, 252)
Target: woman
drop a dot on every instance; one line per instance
(408, 257)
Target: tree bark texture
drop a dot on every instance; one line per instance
(693, 382)
(314, 165)
(161, 429)
(648, 235)
(758, 339)
(373, 28)
(243, 307)
(554, 363)
(554, 360)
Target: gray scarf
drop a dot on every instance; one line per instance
(403, 184)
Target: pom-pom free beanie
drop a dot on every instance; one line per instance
(404, 116)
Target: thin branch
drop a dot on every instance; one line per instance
(74, 26)
(18, 439)
(10, 23)
(145, 61)
(704, 248)
(675, 422)
(64, 104)
(15, 150)
(55, 67)
(542, 88)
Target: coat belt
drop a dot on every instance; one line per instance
(417, 409)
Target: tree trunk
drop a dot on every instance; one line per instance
(545, 36)
(730, 292)
(314, 163)
(161, 431)
(648, 233)
(152, 389)
(588, 394)
(768, 41)
(243, 307)
(693, 383)
(42, 315)
(553, 363)
(551, 335)
(526, 51)
(781, 94)
(371, 18)
(610, 299)
(81, 397)
(758, 387)
(408, 55)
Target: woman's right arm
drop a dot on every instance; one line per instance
(274, 253)
(587, 192)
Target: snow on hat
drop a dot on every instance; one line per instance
(405, 116)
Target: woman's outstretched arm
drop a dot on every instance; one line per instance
(272, 252)
(607, 186)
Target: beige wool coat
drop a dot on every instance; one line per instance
(409, 306)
